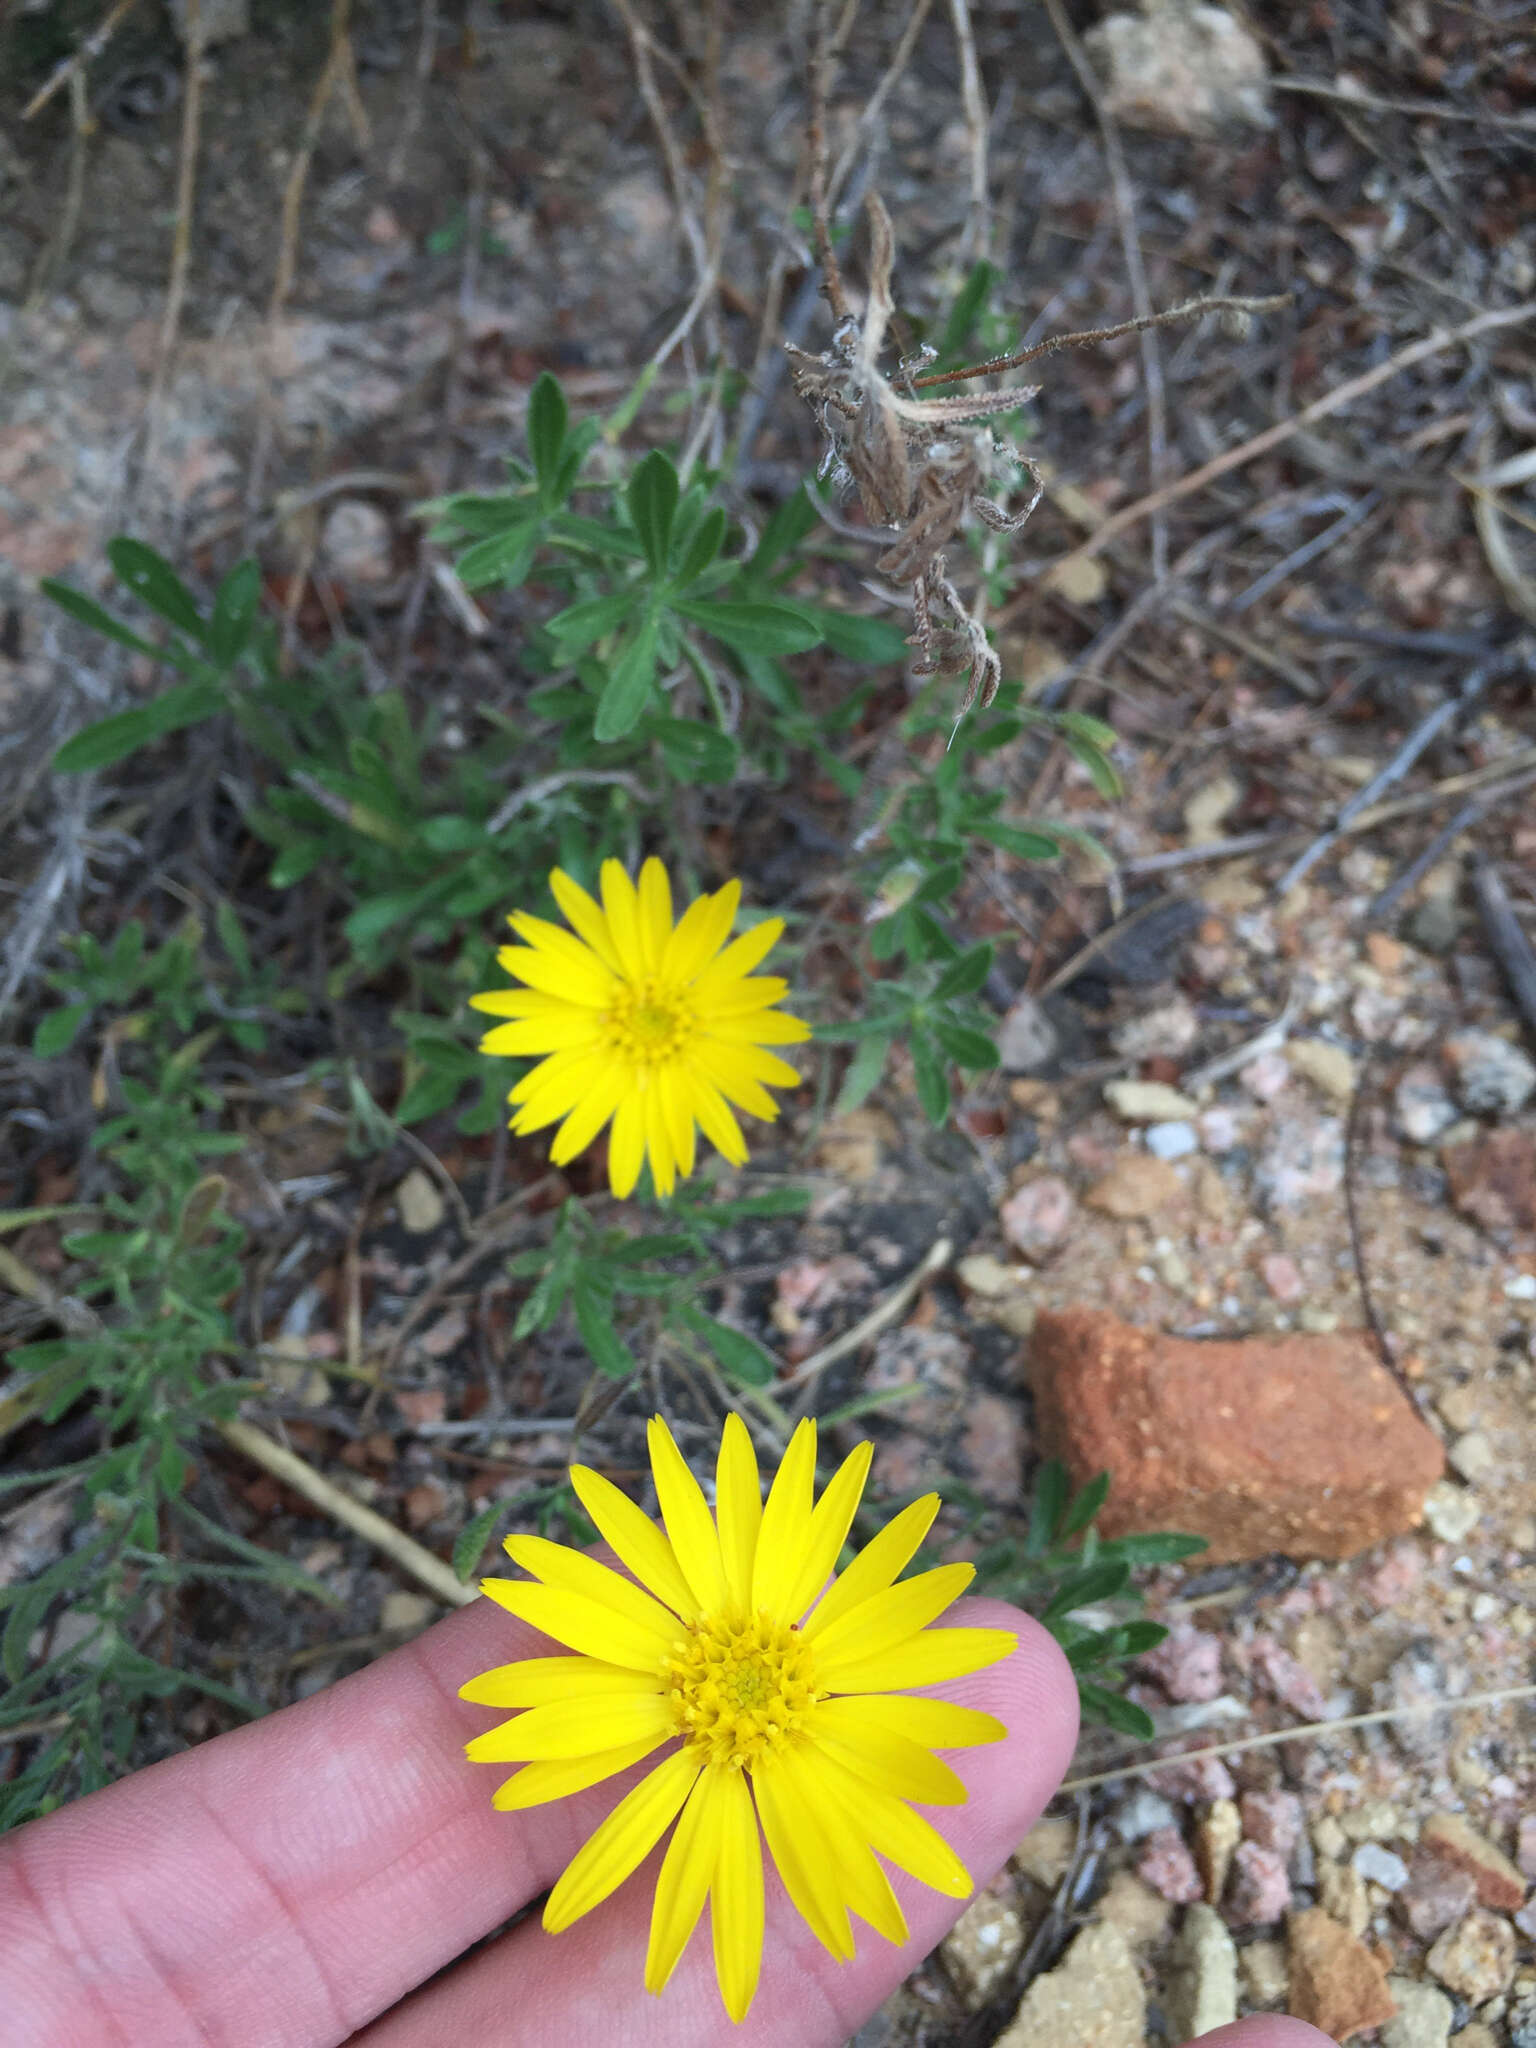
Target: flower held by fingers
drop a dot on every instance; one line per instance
(642, 1020)
(779, 1705)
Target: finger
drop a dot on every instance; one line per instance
(530, 1987)
(1266, 2030)
(283, 1884)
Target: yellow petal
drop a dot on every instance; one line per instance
(794, 1842)
(624, 1840)
(930, 1658)
(582, 1624)
(736, 1902)
(701, 932)
(622, 910)
(658, 1142)
(544, 1681)
(781, 1543)
(672, 1088)
(861, 1883)
(739, 958)
(895, 1831)
(715, 1120)
(575, 1728)
(687, 1870)
(689, 1527)
(936, 1724)
(726, 1068)
(759, 1027)
(827, 1530)
(890, 1617)
(655, 909)
(589, 1115)
(635, 1540)
(530, 1036)
(589, 983)
(536, 1784)
(557, 1085)
(553, 939)
(626, 1146)
(558, 1565)
(861, 1744)
(584, 916)
(738, 1508)
(877, 1564)
(520, 1002)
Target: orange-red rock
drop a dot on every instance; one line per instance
(1300, 1444)
(1457, 1842)
(1335, 1981)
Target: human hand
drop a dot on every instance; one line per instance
(296, 1884)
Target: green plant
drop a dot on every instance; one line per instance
(1061, 1567)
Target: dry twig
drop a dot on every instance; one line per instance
(72, 68)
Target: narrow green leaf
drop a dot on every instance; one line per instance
(155, 583)
(753, 628)
(652, 499)
(694, 752)
(628, 688)
(863, 1074)
(87, 612)
(966, 310)
(1025, 845)
(1047, 1507)
(1102, 772)
(1087, 1504)
(113, 739)
(234, 613)
(1123, 1715)
(473, 1537)
(932, 1081)
(707, 541)
(787, 526)
(1161, 1546)
(740, 1355)
(547, 419)
(594, 1323)
(57, 1031)
(965, 975)
(879, 642)
(965, 1047)
(501, 558)
(580, 625)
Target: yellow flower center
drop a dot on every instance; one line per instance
(740, 1689)
(648, 1023)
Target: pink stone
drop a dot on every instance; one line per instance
(993, 1448)
(1265, 1076)
(1169, 1868)
(1258, 1891)
(1396, 1577)
(1436, 1895)
(1272, 1820)
(1192, 1778)
(1282, 1276)
(1186, 1664)
(1037, 1216)
(1288, 1679)
(1525, 1849)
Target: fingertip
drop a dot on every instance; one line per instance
(1267, 2030)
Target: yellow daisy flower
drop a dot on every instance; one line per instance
(644, 1021)
(778, 1702)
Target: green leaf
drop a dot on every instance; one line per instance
(155, 583)
(88, 613)
(1025, 845)
(753, 628)
(1047, 1507)
(57, 1031)
(1161, 1546)
(113, 739)
(740, 1355)
(501, 558)
(630, 676)
(1123, 1715)
(863, 1075)
(879, 642)
(1083, 1588)
(965, 1047)
(652, 499)
(708, 539)
(580, 625)
(1135, 1638)
(594, 1323)
(932, 1081)
(296, 858)
(232, 937)
(965, 975)
(787, 526)
(234, 613)
(1102, 772)
(548, 416)
(964, 313)
(694, 752)
(1085, 1506)
(473, 1537)
(429, 1094)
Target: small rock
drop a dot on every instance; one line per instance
(1027, 1040)
(1525, 1849)
(356, 542)
(1493, 1178)
(1220, 1129)
(1282, 1276)
(1172, 1141)
(1472, 1455)
(1373, 1820)
(1204, 811)
(1434, 1897)
(999, 1293)
(419, 1203)
(1335, 1980)
(1327, 1066)
(1047, 1850)
(1193, 1779)
(1455, 1841)
(1186, 1663)
(1201, 1993)
(1216, 1839)
(1093, 1998)
(1328, 1838)
(1421, 1108)
(406, 1612)
(1136, 1186)
(1168, 1867)
(1141, 1813)
(1341, 1889)
(1477, 2036)
(219, 21)
(1266, 1075)
(1259, 1889)
(1378, 1865)
(1298, 1444)
(1476, 1957)
(991, 1448)
(1288, 1679)
(1493, 1077)
(1264, 1974)
(1522, 2022)
(1434, 924)
(1520, 1287)
(983, 1946)
(1301, 1164)
(1148, 1102)
(1451, 1512)
(1139, 1913)
(934, 1361)
(1167, 1031)
(1036, 1217)
(1272, 1819)
(1423, 2016)
(1181, 69)
(1416, 1679)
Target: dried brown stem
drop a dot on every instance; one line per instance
(73, 67)
(816, 131)
(1191, 309)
